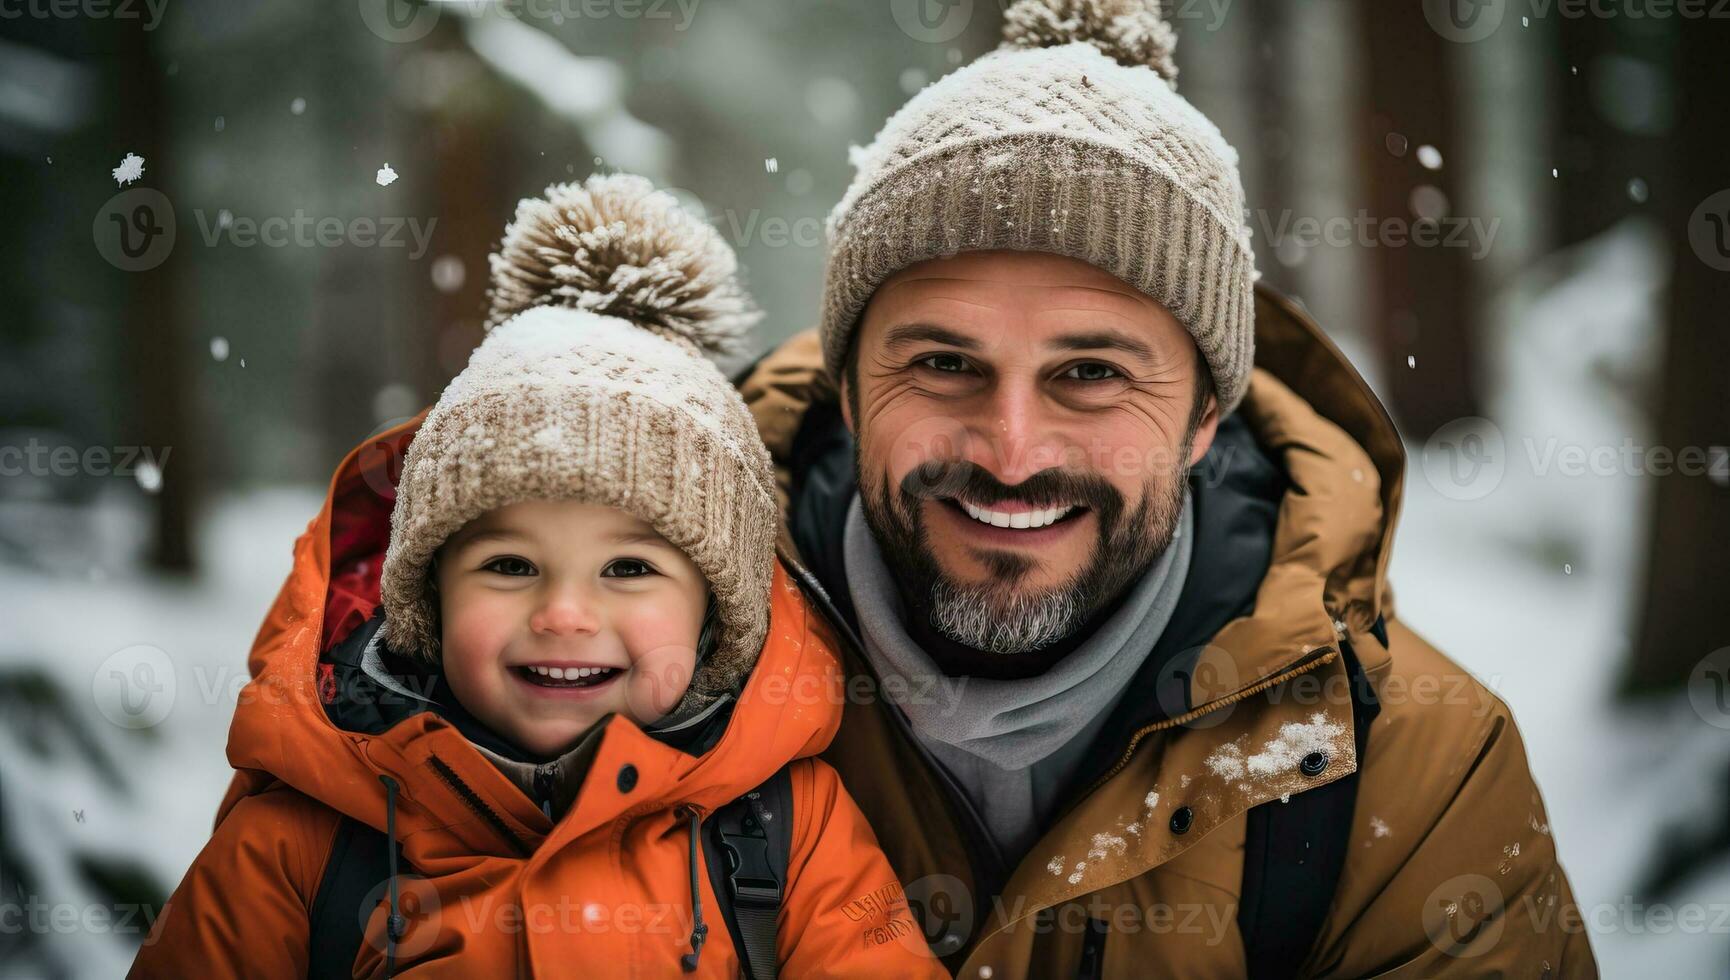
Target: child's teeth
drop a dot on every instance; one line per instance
(570, 673)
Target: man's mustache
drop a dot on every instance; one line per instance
(940, 479)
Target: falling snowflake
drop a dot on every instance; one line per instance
(386, 175)
(1056, 865)
(131, 168)
(1379, 827)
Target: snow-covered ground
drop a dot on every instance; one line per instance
(1529, 577)
(185, 643)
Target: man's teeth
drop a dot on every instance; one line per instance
(1022, 519)
(570, 673)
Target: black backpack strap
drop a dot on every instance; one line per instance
(1294, 852)
(359, 863)
(746, 845)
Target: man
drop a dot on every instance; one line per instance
(1103, 530)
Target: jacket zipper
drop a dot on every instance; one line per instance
(988, 865)
(546, 778)
(450, 778)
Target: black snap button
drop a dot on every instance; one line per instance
(627, 778)
(1314, 763)
(1182, 819)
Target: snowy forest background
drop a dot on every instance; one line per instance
(1576, 164)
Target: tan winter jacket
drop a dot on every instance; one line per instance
(1450, 866)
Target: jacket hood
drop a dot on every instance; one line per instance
(296, 723)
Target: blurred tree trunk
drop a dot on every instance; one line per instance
(1270, 171)
(1424, 298)
(154, 354)
(1688, 559)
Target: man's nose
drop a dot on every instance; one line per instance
(1015, 435)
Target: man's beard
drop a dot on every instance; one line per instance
(998, 616)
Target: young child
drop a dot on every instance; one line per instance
(577, 735)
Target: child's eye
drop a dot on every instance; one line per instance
(510, 565)
(627, 568)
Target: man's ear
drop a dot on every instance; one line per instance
(1205, 431)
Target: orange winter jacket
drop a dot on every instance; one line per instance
(493, 887)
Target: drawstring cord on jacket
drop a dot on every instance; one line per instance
(395, 925)
(699, 931)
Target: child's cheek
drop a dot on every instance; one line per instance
(475, 633)
(661, 666)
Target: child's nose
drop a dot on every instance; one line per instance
(565, 611)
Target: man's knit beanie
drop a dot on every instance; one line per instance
(593, 385)
(1068, 138)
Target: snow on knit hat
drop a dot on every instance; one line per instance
(1069, 138)
(592, 384)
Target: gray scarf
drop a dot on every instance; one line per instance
(1012, 724)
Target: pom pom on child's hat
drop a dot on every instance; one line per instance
(593, 385)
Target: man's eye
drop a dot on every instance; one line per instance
(627, 568)
(1092, 371)
(510, 565)
(946, 363)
